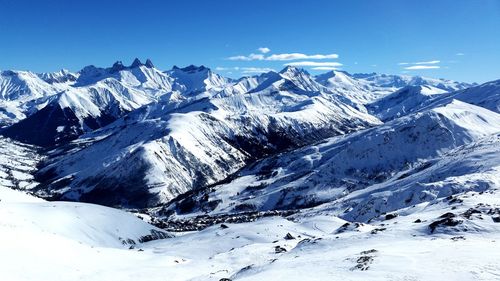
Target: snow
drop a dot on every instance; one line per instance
(21, 93)
(247, 251)
(193, 80)
(404, 101)
(286, 176)
(335, 169)
(17, 164)
(181, 146)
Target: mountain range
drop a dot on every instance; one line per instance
(273, 172)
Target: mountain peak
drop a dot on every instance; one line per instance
(117, 66)
(136, 63)
(193, 68)
(292, 70)
(149, 63)
(289, 68)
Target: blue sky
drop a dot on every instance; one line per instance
(455, 39)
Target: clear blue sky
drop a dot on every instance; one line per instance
(463, 35)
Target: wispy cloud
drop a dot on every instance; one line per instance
(283, 57)
(420, 62)
(264, 50)
(245, 70)
(248, 58)
(324, 68)
(299, 56)
(418, 67)
(460, 54)
(256, 69)
(221, 68)
(427, 62)
(314, 63)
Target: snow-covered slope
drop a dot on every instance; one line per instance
(342, 165)
(404, 101)
(193, 80)
(368, 88)
(245, 84)
(300, 247)
(415, 98)
(98, 97)
(473, 167)
(32, 228)
(486, 95)
(353, 88)
(18, 163)
(144, 77)
(59, 77)
(175, 147)
(414, 198)
(23, 93)
(399, 81)
(21, 85)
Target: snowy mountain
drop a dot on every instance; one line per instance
(368, 88)
(58, 77)
(18, 163)
(486, 95)
(75, 103)
(185, 146)
(356, 89)
(414, 98)
(400, 81)
(404, 101)
(22, 93)
(98, 97)
(331, 171)
(193, 80)
(273, 176)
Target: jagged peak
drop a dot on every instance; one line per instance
(136, 63)
(117, 66)
(292, 70)
(193, 68)
(149, 63)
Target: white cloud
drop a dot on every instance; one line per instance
(244, 69)
(417, 67)
(239, 58)
(256, 69)
(299, 56)
(248, 58)
(314, 63)
(421, 65)
(460, 54)
(427, 62)
(264, 50)
(420, 62)
(324, 68)
(283, 57)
